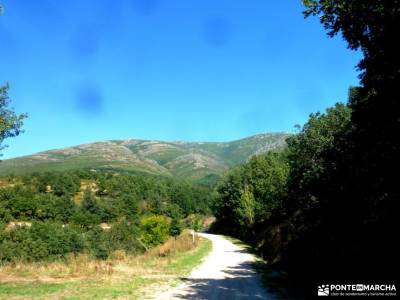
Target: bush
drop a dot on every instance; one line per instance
(154, 230)
(85, 220)
(41, 241)
(97, 243)
(122, 236)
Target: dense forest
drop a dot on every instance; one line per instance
(50, 215)
(325, 209)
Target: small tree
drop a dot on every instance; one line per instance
(247, 207)
(175, 213)
(89, 204)
(154, 230)
(10, 123)
(89, 213)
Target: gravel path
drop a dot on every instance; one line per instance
(226, 273)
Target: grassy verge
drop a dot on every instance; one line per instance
(121, 277)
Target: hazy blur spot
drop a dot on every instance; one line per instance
(145, 6)
(308, 98)
(89, 100)
(217, 31)
(84, 42)
(38, 13)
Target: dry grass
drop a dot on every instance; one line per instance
(9, 182)
(83, 266)
(85, 184)
(122, 276)
(73, 268)
(181, 243)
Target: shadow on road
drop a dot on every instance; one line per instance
(238, 283)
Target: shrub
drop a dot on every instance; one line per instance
(124, 236)
(154, 230)
(97, 242)
(85, 219)
(41, 241)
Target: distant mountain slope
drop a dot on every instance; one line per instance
(191, 160)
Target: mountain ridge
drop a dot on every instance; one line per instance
(184, 159)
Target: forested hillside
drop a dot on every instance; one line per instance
(48, 216)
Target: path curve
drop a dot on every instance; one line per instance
(226, 273)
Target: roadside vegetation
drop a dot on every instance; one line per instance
(121, 275)
(96, 235)
(325, 208)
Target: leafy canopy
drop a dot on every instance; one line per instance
(10, 122)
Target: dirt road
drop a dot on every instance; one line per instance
(226, 273)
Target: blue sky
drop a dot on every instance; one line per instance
(165, 69)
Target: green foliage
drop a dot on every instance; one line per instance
(84, 219)
(24, 203)
(48, 196)
(124, 235)
(267, 176)
(154, 230)
(89, 204)
(175, 227)
(130, 208)
(313, 153)
(10, 123)
(253, 193)
(41, 241)
(175, 213)
(190, 198)
(97, 242)
(166, 159)
(51, 241)
(246, 209)
(343, 190)
(337, 190)
(120, 200)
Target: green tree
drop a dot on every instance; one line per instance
(313, 153)
(89, 203)
(175, 213)
(228, 199)
(252, 194)
(340, 190)
(129, 207)
(124, 235)
(371, 27)
(10, 122)
(41, 241)
(89, 214)
(246, 209)
(267, 175)
(98, 244)
(154, 230)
